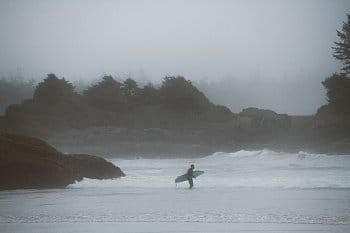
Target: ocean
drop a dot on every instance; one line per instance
(244, 191)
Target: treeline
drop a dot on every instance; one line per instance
(175, 93)
(176, 103)
(56, 105)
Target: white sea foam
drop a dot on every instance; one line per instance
(252, 169)
(245, 187)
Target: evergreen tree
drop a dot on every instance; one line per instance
(180, 95)
(54, 90)
(342, 48)
(106, 94)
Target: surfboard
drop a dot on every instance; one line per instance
(183, 177)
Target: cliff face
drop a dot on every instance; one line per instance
(27, 162)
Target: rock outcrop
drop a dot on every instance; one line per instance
(91, 166)
(265, 119)
(27, 162)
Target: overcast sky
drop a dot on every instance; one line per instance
(273, 53)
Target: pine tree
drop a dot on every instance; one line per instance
(54, 90)
(342, 48)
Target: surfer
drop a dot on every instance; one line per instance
(190, 175)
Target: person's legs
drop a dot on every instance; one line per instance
(190, 181)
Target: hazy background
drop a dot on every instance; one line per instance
(267, 54)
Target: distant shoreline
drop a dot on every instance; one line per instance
(160, 149)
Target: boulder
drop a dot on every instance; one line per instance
(27, 162)
(91, 166)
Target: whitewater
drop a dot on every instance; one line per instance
(243, 191)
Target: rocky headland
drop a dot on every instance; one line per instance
(31, 163)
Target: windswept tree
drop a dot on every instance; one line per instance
(180, 95)
(342, 48)
(106, 94)
(54, 90)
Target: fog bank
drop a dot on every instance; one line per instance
(274, 45)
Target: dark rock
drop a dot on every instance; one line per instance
(27, 162)
(90, 166)
(266, 119)
(256, 112)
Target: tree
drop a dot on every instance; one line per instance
(338, 85)
(181, 95)
(342, 48)
(150, 94)
(130, 89)
(53, 90)
(106, 94)
(338, 93)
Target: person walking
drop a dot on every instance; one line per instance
(190, 175)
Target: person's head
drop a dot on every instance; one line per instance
(192, 166)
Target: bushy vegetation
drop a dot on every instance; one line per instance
(53, 90)
(56, 105)
(338, 93)
(180, 95)
(106, 94)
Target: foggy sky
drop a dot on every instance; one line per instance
(269, 54)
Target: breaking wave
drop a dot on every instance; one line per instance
(247, 169)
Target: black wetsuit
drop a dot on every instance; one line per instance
(190, 176)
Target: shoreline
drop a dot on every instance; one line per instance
(142, 227)
(167, 151)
